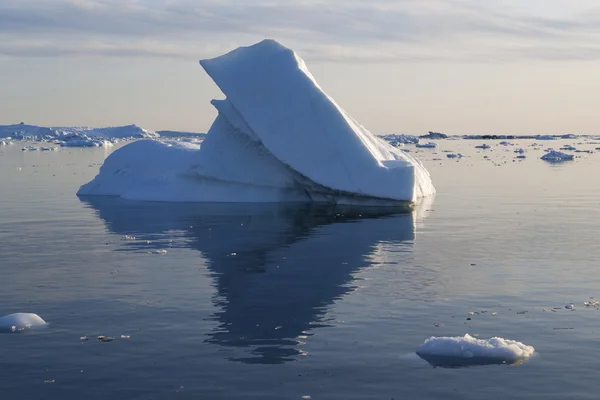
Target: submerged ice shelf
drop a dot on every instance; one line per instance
(277, 137)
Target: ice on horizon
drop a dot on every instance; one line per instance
(277, 137)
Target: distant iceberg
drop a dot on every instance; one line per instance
(33, 132)
(277, 137)
(553, 155)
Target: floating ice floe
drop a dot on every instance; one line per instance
(395, 139)
(20, 321)
(434, 135)
(23, 132)
(568, 147)
(278, 137)
(81, 140)
(468, 351)
(591, 303)
(554, 155)
(545, 137)
(428, 145)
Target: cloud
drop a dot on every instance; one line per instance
(329, 30)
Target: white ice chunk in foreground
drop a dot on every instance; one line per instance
(20, 321)
(467, 350)
(277, 137)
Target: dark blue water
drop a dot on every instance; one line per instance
(281, 302)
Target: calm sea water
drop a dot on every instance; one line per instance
(281, 302)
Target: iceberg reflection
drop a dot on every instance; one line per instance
(276, 267)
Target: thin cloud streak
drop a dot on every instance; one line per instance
(335, 30)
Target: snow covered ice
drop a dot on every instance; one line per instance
(468, 350)
(277, 137)
(20, 321)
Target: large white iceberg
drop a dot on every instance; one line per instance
(277, 137)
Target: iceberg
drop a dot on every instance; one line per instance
(20, 321)
(462, 351)
(278, 137)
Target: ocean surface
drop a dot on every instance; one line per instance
(298, 301)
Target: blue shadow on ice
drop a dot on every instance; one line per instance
(270, 293)
(462, 362)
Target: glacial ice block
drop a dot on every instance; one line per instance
(20, 321)
(277, 137)
(468, 350)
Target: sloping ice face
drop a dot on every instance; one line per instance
(277, 138)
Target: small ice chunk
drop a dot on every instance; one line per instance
(125, 337)
(84, 338)
(161, 252)
(554, 155)
(105, 338)
(570, 306)
(591, 303)
(428, 145)
(468, 350)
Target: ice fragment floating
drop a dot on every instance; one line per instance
(468, 351)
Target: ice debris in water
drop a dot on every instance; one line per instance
(591, 303)
(161, 252)
(570, 306)
(20, 321)
(129, 237)
(105, 338)
(125, 337)
(470, 350)
(554, 155)
(429, 145)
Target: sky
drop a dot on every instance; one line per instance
(397, 66)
